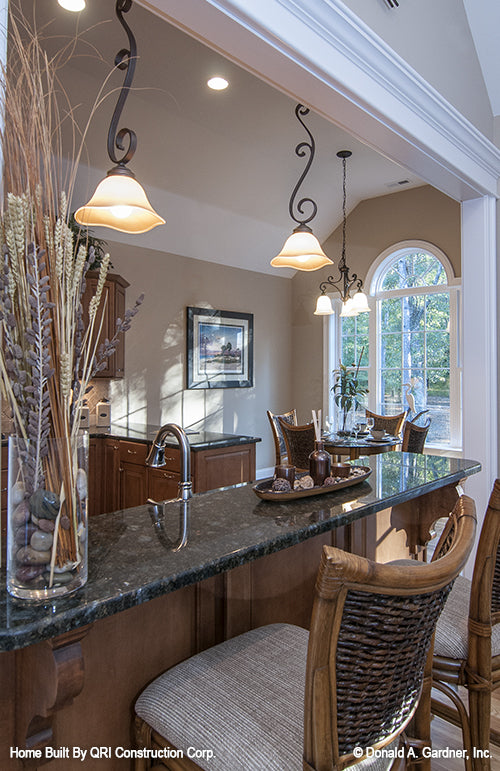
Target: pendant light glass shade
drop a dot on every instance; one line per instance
(72, 5)
(360, 302)
(301, 251)
(323, 306)
(348, 308)
(119, 202)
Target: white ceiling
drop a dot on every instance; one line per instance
(484, 21)
(219, 166)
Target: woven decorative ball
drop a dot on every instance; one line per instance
(306, 482)
(329, 481)
(281, 486)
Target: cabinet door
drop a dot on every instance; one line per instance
(162, 484)
(111, 476)
(113, 302)
(223, 466)
(133, 485)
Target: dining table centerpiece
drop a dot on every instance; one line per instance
(348, 392)
(48, 356)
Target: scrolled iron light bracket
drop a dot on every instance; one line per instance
(303, 148)
(125, 59)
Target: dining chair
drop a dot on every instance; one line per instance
(467, 644)
(299, 443)
(392, 424)
(279, 443)
(278, 697)
(414, 435)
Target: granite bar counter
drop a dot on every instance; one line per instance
(165, 584)
(133, 556)
(198, 440)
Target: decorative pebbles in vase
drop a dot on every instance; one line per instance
(47, 525)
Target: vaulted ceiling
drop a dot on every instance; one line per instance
(219, 166)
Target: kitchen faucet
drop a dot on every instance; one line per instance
(156, 456)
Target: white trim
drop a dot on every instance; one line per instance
(480, 345)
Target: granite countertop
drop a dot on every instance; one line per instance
(132, 556)
(198, 440)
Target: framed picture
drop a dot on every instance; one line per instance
(219, 349)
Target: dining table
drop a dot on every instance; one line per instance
(355, 446)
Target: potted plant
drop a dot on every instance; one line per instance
(347, 392)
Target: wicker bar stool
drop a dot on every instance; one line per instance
(279, 443)
(299, 443)
(467, 645)
(392, 424)
(279, 698)
(414, 435)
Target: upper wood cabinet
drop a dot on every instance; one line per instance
(114, 296)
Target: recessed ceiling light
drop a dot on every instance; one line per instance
(217, 84)
(72, 5)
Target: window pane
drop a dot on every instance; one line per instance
(415, 269)
(348, 325)
(413, 313)
(391, 351)
(391, 390)
(438, 403)
(348, 351)
(413, 350)
(438, 311)
(438, 349)
(390, 315)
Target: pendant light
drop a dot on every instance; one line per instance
(119, 201)
(302, 249)
(351, 306)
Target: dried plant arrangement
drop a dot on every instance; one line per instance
(47, 357)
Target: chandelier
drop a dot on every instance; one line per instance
(358, 303)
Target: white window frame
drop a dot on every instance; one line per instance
(378, 268)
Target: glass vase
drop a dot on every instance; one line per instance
(345, 420)
(47, 517)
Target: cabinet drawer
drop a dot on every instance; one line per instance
(133, 452)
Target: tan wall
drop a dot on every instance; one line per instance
(154, 386)
(374, 225)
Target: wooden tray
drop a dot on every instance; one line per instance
(263, 489)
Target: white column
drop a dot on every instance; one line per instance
(479, 335)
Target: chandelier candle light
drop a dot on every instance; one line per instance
(351, 306)
(119, 201)
(302, 249)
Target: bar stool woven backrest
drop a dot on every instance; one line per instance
(279, 443)
(362, 665)
(372, 669)
(392, 424)
(299, 442)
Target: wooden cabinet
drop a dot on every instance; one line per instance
(114, 298)
(120, 479)
(222, 466)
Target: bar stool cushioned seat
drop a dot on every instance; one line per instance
(213, 701)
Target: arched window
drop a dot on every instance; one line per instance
(410, 340)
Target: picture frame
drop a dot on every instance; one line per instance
(219, 349)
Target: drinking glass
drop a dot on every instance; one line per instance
(370, 422)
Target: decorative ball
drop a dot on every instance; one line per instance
(329, 481)
(281, 486)
(306, 482)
